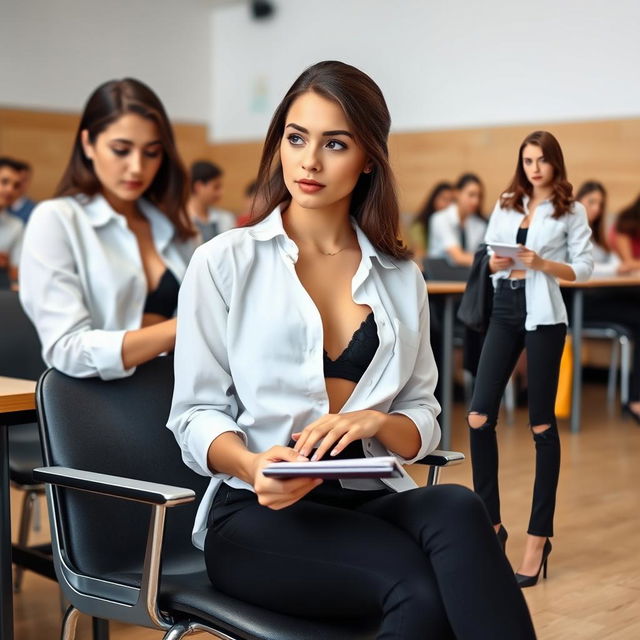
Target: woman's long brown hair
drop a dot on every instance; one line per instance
(597, 225)
(520, 186)
(110, 101)
(374, 203)
(628, 221)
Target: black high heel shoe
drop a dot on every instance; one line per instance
(627, 410)
(530, 581)
(502, 536)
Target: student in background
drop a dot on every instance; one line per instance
(457, 231)
(102, 262)
(23, 206)
(339, 360)
(206, 192)
(611, 305)
(253, 201)
(625, 236)
(11, 228)
(593, 196)
(538, 212)
(440, 198)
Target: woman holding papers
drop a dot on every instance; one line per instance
(308, 330)
(538, 213)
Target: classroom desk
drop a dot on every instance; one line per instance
(576, 328)
(450, 291)
(17, 406)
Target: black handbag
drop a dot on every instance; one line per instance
(477, 301)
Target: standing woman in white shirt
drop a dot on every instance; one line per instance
(539, 213)
(102, 262)
(456, 232)
(310, 328)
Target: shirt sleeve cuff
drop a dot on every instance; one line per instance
(429, 436)
(583, 271)
(104, 352)
(204, 427)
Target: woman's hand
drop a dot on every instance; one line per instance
(278, 494)
(531, 259)
(496, 263)
(340, 428)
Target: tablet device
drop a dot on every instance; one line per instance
(506, 250)
(376, 467)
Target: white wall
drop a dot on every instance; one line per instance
(53, 53)
(440, 63)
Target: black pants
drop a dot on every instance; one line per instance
(425, 562)
(505, 340)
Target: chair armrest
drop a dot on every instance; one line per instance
(439, 458)
(115, 486)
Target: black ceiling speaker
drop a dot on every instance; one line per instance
(261, 9)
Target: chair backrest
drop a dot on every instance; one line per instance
(20, 351)
(442, 269)
(118, 428)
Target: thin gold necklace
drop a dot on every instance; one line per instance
(335, 253)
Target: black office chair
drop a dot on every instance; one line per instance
(20, 357)
(131, 558)
(444, 269)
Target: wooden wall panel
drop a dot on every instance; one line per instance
(44, 139)
(604, 150)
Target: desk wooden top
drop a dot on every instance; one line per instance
(17, 395)
(612, 281)
(443, 287)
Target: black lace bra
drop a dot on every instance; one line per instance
(163, 300)
(521, 236)
(354, 360)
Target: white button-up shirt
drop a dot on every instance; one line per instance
(249, 351)
(82, 281)
(11, 229)
(566, 239)
(444, 232)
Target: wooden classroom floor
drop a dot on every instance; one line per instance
(593, 590)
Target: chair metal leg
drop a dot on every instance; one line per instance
(625, 368)
(100, 629)
(69, 624)
(37, 514)
(179, 630)
(433, 475)
(616, 347)
(182, 629)
(28, 501)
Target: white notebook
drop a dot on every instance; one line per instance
(376, 467)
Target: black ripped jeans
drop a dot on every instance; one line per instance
(425, 562)
(505, 340)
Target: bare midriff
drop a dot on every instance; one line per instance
(339, 391)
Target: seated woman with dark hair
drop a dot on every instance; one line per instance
(102, 262)
(440, 197)
(304, 335)
(456, 232)
(624, 237)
